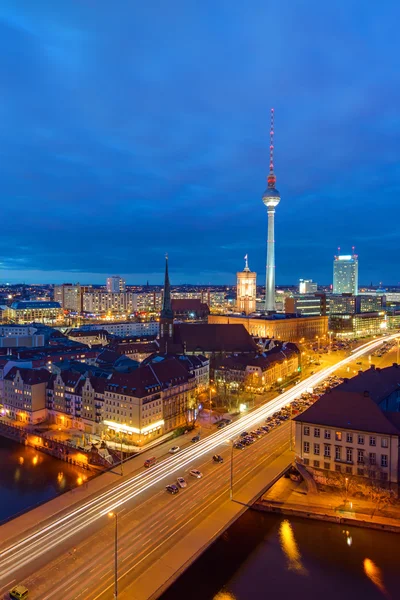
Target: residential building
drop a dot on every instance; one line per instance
(147, 302)
(355, 428)
(196, 365)
(151, 401)
(115, 284)
(358, 325)
(345, 274)
(307, 286)
(91, 337)
(24, 394)
(29, 311)
(70, 296)
(103, 303)
(258, 371)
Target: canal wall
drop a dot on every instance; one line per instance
(54, 448)
(379, 523)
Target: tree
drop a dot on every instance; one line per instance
(374, 486)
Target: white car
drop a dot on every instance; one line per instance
(196, 473)
(181, 482)
(174, 449)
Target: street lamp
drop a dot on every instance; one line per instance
(211, 390)
(115, 516)
(347, 482)
(330, 340)
(231, 475)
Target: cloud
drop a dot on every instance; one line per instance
(127, 133)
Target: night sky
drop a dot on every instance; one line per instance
(130, 129)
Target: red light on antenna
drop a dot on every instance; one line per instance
(272, 110)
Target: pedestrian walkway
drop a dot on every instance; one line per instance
(288, 497)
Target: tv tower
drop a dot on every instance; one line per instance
(271, 199)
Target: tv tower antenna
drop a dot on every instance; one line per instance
(271, 177)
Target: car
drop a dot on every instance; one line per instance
(181, 482)
(265, 428)
(218, 458)
(196, 473)
(239, 446)
(359, 363)
(221, 424)
(19, 592)
(174, 449)
(249, 440)
(196, 438)
(255, 434)
(244, 434)
(172, 489)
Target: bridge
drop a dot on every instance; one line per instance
(68, 551)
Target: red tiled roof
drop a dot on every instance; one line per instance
(29, 376)
(348, 410)
(212, 337)
(380, 383)
(189, 304)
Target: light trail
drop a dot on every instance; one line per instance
(60, 529)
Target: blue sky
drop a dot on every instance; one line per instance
(130, 129)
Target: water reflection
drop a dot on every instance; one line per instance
(28, 477)
(375, 575)
(290, 548)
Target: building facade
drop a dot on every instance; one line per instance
(24, 395)
(305, 304)
(290, 328)
(115, 284)
(246, 289)
(307, 286)
(345, 274)
(29, 311)
(355, 429)
(102, 303)
(70, 296)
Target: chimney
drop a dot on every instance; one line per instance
(366, 394)
(395, 365)
(377, 369)
(372, 367)
(346, 380)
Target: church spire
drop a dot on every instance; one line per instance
(166, 312)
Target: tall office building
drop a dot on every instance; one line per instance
(115, 284)
(271, 199)
(307, 286)
(246, 289)
(345, 274)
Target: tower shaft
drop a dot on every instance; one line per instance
(270, 274)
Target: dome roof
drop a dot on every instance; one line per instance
(271, 193)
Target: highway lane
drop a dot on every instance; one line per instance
(147, 532)
(20, 556)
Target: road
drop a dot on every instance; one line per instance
(149, 518)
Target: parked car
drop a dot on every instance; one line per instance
(196, 473)
(172, 489)
(196, 438)
(218, 458)
(181, 482)
(174, 450)
(239, 446)
(19, 592)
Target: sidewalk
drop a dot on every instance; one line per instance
(288, 497)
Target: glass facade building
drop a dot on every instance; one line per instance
(345, 274)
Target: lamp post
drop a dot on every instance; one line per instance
(213, 391)
(115, 515)
(330, 340)
(347, 482)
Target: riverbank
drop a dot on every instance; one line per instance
(292, 498)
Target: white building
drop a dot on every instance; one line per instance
(354, 429)
(100, 303)
(345, 274)
(307, 286)
(115, 284)
(126, 328)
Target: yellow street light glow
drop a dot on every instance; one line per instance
(111, 514)
(122, 428)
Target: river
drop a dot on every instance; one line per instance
(268, 556)
(28, 478)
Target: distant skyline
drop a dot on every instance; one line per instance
(130, 132)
